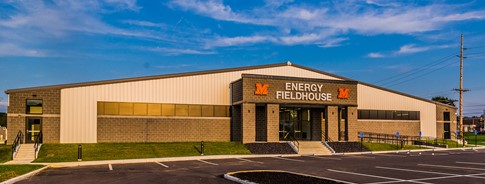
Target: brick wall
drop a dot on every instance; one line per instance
(410, 128)
(332, 123)
(50, 106)
(261, 125)
(248, 123)
(316, 124)
(352, 123)
(126, 129)
(273, 122)
(440, 109)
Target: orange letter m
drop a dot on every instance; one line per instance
(261, 89)
(343, 93)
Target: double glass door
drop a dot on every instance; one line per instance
(295, 122)
(32, 129)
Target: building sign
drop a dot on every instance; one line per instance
(261, 89)
(343, 93)
(303, 91)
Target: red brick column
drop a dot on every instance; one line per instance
(332, 123)
(352, 123)
(248, 122)
(273, 122)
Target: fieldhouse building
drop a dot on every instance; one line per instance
(248, 104)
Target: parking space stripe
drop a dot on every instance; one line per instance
(282, 158)
(452, 167)
(322, 157)
(207, 162)
(471, 163)
(375, 176)
(159, 163)
(359, 156)
(389, 155)
(411, 170)
(110, 167)
(247, 160)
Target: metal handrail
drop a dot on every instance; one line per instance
(293, 140)
(328, 139)
(37, 143)
(16, 143)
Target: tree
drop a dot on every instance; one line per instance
(444, 100)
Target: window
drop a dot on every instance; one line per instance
(388, 115)
(153, 109)
(34, 106)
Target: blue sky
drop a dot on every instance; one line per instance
(409, 46)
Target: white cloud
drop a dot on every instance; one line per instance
(411, 48)
(8, 49)
(175, 51)
(375, 55)
(239, 40)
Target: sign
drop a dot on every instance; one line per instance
(343, 93)
(476, 132)
(261, 89)
(420, 134)
(303, 91)
(361, 134)
(457, 132)
(397, 134)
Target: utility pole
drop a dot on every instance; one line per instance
(461, 90)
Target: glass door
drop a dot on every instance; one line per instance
(295, 122)
(32, 129)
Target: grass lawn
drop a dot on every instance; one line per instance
(5, 153)
(11, 171)
(372, 146)
(470, 138)
(449, 142)
(117, 151)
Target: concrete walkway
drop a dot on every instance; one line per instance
(25, 155)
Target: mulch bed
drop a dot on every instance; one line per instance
(268, 177)
(345, 147)
(270, 148)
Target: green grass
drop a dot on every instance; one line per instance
(372, 146)
(5, 153)
(117, 151)
(449, 142)
(11, 171)
(470, 138)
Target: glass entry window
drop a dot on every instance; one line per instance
(32, 129)
(295, 122)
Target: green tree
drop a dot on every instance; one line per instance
(3, 119)
(444, 100)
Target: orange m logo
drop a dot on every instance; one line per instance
(261, 89)
(343, 93)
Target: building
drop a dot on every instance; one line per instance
(248, 104)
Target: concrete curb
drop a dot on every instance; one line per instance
(150, 160)
(405, 151)
(24, 176)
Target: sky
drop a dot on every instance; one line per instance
(408, 46)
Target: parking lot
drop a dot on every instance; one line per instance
(457, 166)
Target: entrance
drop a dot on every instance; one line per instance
(295, 122)
(32, 129)
(446, 125)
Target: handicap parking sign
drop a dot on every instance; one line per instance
(457, 132)
(397, 134)
(476, 132)
(420, 133)
(361, 134)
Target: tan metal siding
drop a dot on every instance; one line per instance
(373, 98)
(78, 105)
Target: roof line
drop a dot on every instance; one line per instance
(133, 79)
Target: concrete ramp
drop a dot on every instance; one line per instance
(25, 155)
(313, 148)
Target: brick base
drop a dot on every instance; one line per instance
(410, 128)
(120, 129)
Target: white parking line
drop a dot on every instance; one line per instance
(471, 163)
(207, 162)
(359, 156)
(389, 155)
(411, 170)
(282, 158)
(247, 160)
(452, 167)
(321, 157)
(110, 167)
(395, 180)
(159, 163)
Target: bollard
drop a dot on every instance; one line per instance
(201, 147)
(79, 153)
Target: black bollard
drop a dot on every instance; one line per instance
(201, 147)
(79, 153)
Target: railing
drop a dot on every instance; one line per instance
(16, 143)
(327, 139)
(403, 139)
(38, 144)
(292, 139)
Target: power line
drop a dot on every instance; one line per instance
(423, 74)
(421, 68)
